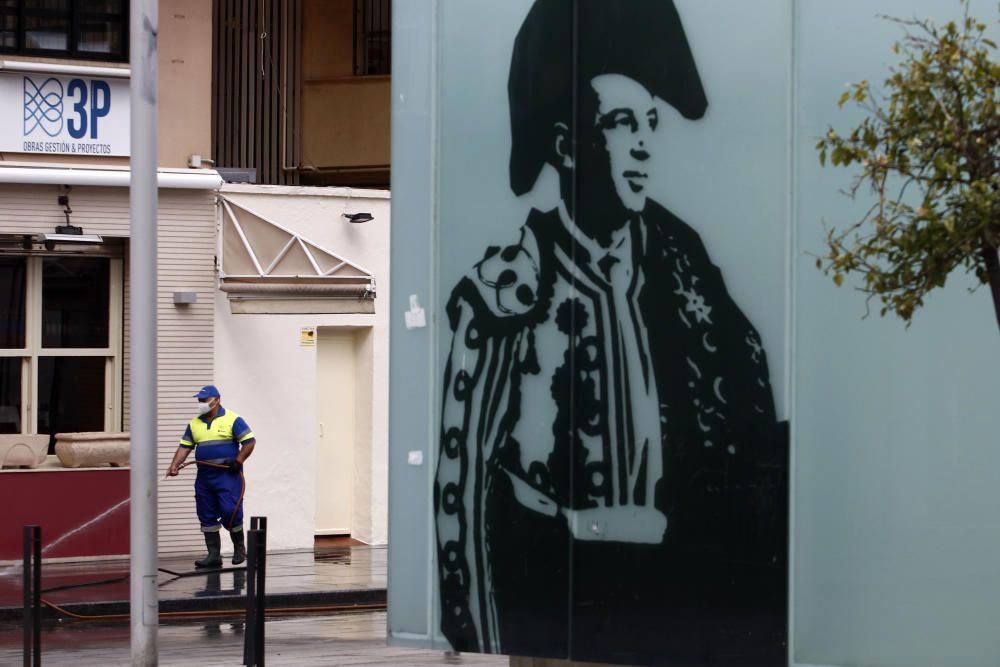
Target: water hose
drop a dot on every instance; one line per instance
(220, 613)
(243, 485)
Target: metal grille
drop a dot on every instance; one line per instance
(256, 88)
(372, 37)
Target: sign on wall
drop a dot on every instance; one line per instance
(610, 458)
(64, 115)
(607, 476)
(513, 543)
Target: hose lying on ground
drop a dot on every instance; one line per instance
(220, 613)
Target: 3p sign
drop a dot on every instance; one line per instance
(64, 115)
(98, 93)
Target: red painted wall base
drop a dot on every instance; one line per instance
(94, 503)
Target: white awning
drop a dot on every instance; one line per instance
(192, 179)
(63, 68)
(258, 250)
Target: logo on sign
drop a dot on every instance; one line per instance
(45, 107)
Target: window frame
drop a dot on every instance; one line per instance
(76, 17)
(33, 350)
(362, 32)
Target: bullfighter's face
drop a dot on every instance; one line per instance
(620, 136)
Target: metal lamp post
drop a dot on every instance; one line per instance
(143, 595)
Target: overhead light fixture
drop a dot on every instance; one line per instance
(68, 233)
(71, 237)
(359, 217)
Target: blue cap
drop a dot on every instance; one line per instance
(208, 391)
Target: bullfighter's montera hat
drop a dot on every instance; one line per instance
(641, 39)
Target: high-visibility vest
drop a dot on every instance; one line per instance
(218, 440)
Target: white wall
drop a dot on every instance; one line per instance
(268, 377)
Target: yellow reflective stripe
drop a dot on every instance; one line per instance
(248, 436)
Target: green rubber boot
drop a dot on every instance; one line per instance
(214, 543)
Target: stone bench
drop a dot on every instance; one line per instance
(23, 450)
(77, 450)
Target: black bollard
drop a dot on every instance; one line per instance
(36, 591)
(32, 596)
(260, 544)
(253, 633)
(249, 625)
(26, 588)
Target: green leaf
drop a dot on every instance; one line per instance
(927, 166)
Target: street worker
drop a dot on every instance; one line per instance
(222, 441)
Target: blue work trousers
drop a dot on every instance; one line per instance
(217, 494)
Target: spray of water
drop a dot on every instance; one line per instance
(8, 571)
(96, 519)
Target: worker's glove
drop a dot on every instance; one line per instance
(235, 466)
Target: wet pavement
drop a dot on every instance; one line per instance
(304, 641)
(314, 617)
(328, 576)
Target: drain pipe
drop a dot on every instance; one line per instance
(143, 591)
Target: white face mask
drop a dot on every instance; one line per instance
(205, 408)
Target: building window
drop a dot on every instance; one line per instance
(60, 344)
(372, 37)
(83, 29)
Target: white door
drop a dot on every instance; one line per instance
(336, 379)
